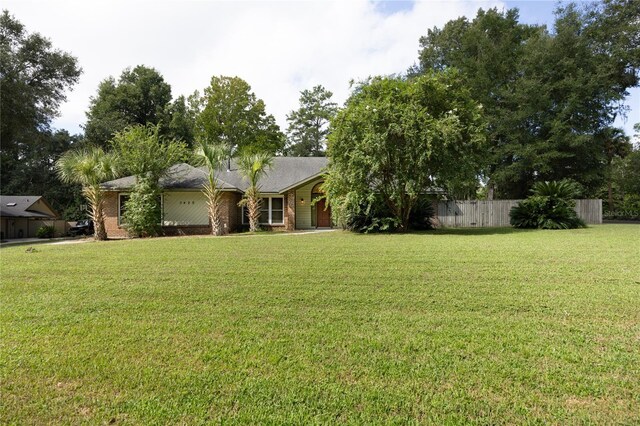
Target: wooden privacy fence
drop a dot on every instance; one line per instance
(482, 213)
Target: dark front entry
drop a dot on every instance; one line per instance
(323, 217)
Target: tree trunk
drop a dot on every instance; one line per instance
(252, 202)
(213, 204)
(214, 218)
(404, 226)
(253, 206)
(96, 203)
(406, 215)
(100, 232)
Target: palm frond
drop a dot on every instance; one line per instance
(90, 167)
(87, 167)
(254, 166)
(211, 155)
(558, 189)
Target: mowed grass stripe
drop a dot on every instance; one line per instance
(485, 326)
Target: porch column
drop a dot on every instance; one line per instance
(290, 220)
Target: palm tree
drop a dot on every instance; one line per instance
(212, 156)
(253, 166)
(89, 167)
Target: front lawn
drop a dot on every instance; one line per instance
(459, 326)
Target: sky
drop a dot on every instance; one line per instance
(278, 47)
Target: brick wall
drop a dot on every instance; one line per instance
(230, 212)
(290, 209)
(111, 216)
(173, 231)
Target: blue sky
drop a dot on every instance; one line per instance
(534, 12)
(279, 47)
(531, 11)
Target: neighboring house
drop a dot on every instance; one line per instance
(22, 215)
(289, 189)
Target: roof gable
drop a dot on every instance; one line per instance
(25, 206)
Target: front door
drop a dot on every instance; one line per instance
(323, 216)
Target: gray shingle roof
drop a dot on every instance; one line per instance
(179, 176)
(18, 206)
(285, 173)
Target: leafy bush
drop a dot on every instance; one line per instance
(46, 231)
(377, 217)
(143, 213)
(628, 209)
(421, 214)
(368, 217)
(550, 206)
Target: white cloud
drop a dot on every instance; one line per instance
(279, 47)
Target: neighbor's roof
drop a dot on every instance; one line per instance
(286, 173)
(19, 206)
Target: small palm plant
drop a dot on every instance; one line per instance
(212, 156)
(551, 206)
(253, 166)
(89, 167)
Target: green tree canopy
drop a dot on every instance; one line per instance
(139, 96)
(309, 124)
(616, 145)
(145, 153)
(181, 123)
(232, 114)
(546, 94)
(397, 138)
(34, 78)
(36, 173)
(625, 178)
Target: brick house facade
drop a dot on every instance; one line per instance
(287, 204)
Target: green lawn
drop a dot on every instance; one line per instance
(459, 326)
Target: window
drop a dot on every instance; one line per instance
(271, 211)
(277, 210)
(122, 200)
(264, 211)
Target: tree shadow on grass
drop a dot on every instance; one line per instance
(471, 232)
(463, 232)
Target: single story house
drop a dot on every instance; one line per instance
(22, 215)
(288, 189)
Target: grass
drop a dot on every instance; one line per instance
(458, 326)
